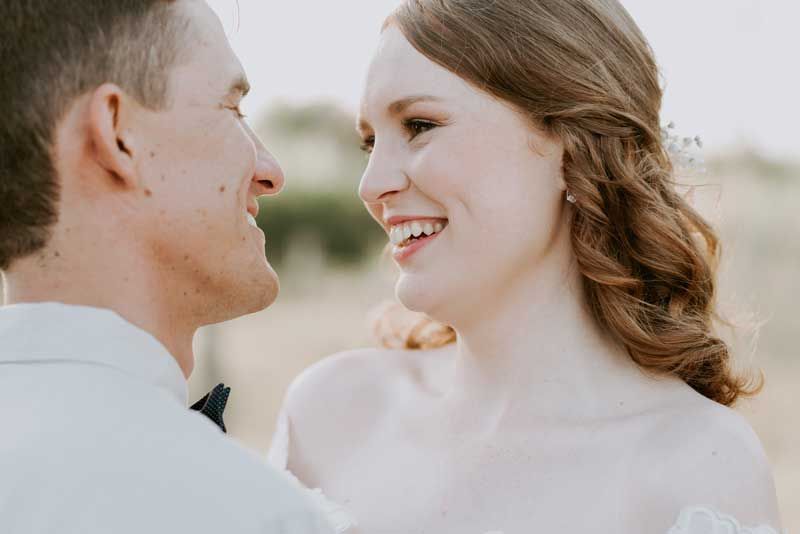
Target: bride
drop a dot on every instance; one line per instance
(517, 167)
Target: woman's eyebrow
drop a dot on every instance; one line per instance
(398, 106)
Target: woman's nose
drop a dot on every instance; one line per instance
(381, 179)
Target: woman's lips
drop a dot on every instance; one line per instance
(401, 254)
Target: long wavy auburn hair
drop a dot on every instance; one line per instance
(582, 71)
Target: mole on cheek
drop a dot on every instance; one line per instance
(148, 193)
(222, 189)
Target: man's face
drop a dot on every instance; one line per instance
(202, 169)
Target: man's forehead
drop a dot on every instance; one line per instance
(210, 50)
(205, 30)
(201, 14)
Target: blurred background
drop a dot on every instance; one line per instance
(727, 80)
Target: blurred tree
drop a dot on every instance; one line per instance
(746, 159)
(319, 152)
(316, 145)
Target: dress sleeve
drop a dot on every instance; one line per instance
(278, 457)
(278, 454)
(698, 520)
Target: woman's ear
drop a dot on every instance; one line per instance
(111, 141)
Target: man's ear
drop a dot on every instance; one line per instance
(112, 144)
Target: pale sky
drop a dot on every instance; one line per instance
(731, 66)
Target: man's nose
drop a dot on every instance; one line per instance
(268, 173)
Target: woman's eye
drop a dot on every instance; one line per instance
(416, 127)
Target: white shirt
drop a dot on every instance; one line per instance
(95, 437)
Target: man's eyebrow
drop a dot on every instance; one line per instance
(362, 125)
(240, 85)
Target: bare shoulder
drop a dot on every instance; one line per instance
(701, 453)
(360, 375)
(336, 404)
(344, 380)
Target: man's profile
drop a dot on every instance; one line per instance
(128, 186)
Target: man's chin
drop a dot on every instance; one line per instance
(265, 290)
(250, 292)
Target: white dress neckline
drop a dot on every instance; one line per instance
(702, 520)
(691, 520)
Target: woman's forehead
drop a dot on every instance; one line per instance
(399, 72)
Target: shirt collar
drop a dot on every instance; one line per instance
(52, 331)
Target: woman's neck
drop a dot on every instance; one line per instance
(537, 347)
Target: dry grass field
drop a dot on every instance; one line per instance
(322, 311)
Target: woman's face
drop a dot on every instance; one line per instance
(478, 190)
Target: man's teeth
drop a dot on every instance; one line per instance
(251, 220)
(401, 233)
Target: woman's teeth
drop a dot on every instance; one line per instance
(402, 234)
(251, 220)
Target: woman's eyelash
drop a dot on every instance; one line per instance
(418, 126)
(414, 127)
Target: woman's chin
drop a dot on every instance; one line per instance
(420, 297)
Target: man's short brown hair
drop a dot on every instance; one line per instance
(52, 52)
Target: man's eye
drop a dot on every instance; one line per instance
(368, 144)
(416, 127)
(238, 112)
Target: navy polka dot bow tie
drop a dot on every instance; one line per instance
(213, 404)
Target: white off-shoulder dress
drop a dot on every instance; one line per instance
(691, 520)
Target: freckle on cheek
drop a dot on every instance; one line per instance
(152, 154)
(148, 193)
(222, 189)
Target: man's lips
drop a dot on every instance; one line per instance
(252, 208)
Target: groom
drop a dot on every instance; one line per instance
(128, 185)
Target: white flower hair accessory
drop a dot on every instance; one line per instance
(685, 152)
